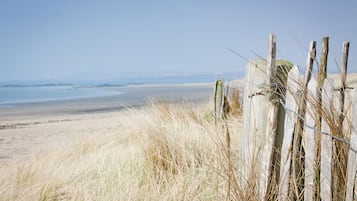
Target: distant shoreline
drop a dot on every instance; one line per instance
(123, 96)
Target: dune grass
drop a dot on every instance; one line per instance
(161, 152)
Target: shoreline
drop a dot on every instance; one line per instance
(133, 95)
(27, 129)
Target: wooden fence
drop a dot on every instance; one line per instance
(299, 141)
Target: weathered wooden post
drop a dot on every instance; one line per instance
(323, 62)
(218, 100)
(293, 85)
(322, 74)
(340, 150)
(309, 142)
(346, 46)
(326, 142)
(271, 129)
(297, 161)
(255, 112)
(352, 155)
(272, 115)
(261, 141)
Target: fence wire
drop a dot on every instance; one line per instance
(317, 130)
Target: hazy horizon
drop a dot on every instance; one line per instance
(127, 78)
(74, 39)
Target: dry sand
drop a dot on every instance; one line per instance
(30, 128)
(24, 136)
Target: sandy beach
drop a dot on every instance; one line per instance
(26, 129)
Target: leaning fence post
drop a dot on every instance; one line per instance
(352, 156)
(297, 161)
(290, 118)
(326, 142)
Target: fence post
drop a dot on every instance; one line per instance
(322, 74)
(309, 142)
(218, 100)
(290, 118)
(346, 46)
(340, 150)
(352, 156)
(255, 110)
(271, 128)
(297, 161)
(326, 142)
(323, 62)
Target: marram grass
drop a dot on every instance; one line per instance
(161, 152)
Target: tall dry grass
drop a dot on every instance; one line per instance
(165, 151)
(161, 152)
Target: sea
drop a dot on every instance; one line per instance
(22, 92)
(12, 95)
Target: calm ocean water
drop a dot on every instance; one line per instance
(40, 91)
(16, 95)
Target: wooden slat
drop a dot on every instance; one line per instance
(309, 142)
(297, 161)
(290, 119)
(352, 156)
(326, 143)
(272, 122)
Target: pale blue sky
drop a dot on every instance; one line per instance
(49, 39)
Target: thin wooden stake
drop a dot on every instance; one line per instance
(323, 61)
(322, 74)
(267, 169)
(271, 69)
(340, 151)
(346, 46)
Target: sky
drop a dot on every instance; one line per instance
(50, 39)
